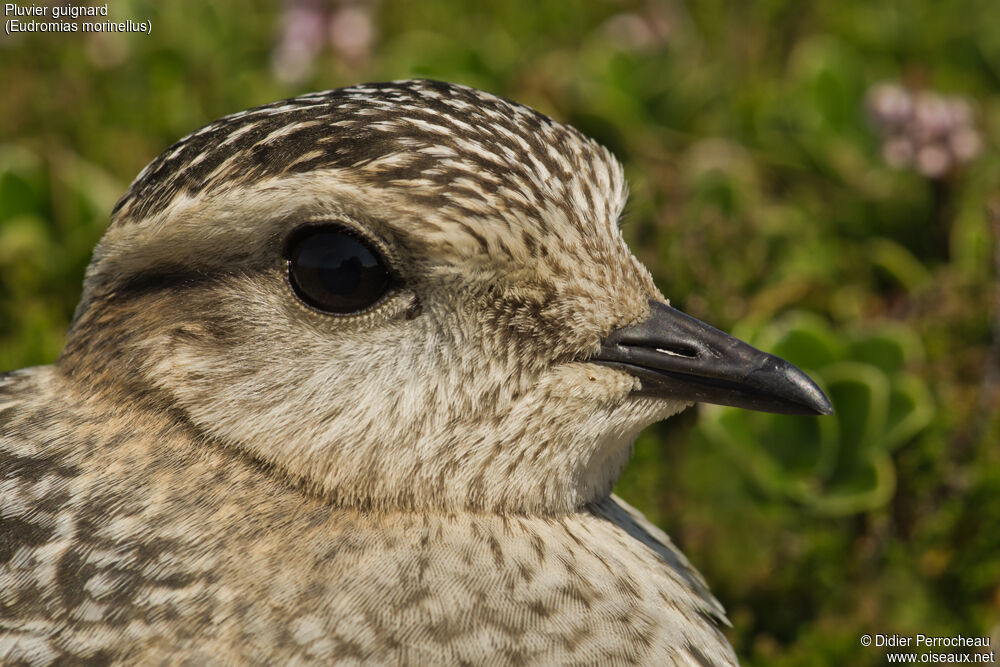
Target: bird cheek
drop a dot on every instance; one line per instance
(589, 384)
(588, 390)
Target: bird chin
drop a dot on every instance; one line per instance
(612, 451)
(657, 409)
(639, 412)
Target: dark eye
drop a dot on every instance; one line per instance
(335, 271)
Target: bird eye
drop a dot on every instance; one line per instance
(334, 271)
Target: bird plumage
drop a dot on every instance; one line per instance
(215, 471)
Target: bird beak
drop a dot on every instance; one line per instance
(676, 356)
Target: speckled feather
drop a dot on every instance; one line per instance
(214, 473)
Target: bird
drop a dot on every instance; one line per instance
(351, 380)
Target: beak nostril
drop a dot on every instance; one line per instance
(679, 351)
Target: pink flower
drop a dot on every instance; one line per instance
(931, 132)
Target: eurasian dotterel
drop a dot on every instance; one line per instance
(351, 380)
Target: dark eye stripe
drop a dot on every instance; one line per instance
(335, 271)
(162, 280)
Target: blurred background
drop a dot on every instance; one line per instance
(819, 178)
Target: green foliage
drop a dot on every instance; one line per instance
(840, 465)
(760, 200)
(51, 210)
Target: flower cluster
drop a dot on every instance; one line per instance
(931, 132)
(346, 26)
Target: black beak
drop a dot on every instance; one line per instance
(676, 356)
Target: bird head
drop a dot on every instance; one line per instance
(401, 295)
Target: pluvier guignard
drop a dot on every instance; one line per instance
(351, 379)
